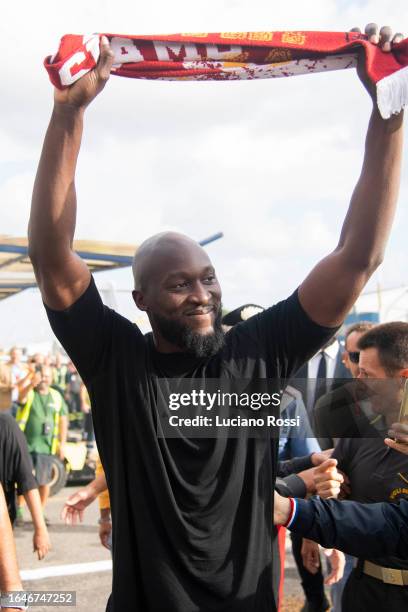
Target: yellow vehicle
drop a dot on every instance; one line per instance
(78, 465)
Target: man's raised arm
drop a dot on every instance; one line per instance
(61, 275)
(332, 287)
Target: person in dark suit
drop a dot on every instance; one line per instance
(335, 412)
(321, 374)
(376, 472)
(314, 379)
(340, 414)
(378, 529)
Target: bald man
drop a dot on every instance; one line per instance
(191, 517)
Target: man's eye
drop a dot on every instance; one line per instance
(209, 279)
(180, 285)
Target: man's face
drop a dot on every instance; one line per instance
(39, 358)
(183, 301)
(15, 355)
(351, 347)
(385, 389)
(46, 378)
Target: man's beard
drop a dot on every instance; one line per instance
(190, 341)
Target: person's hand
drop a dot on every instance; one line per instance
(385, 39)
(81, 93)
(345, 488)
(281, 509)
(310, 555)
(31, 367)
(36, 379)
(41, 543)
(337, 564)
(105, 530)
(320, 457)
(308, 477)
(399, 431)
(73, 510)
(328, 479)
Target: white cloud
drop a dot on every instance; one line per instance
(270, 163)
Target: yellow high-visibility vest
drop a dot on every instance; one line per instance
(23, 414)
(58, 376)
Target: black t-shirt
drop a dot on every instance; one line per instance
(15, 463)
(192, 519)
(377, 473)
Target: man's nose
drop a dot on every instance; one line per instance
(199, 293)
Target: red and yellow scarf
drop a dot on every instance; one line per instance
(237, 55)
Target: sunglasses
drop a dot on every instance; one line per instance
(354, 356)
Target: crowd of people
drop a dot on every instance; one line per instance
(342, 449)
(191, 520)
(45, 396)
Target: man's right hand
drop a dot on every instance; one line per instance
(73, 511)
(398, 437)
(328, 479)
(81, 93)
(105, 529)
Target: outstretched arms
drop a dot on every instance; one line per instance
(330, 290)
(61, 275)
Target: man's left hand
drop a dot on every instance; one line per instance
(310, 555)
(321, 456)
(41, 543)
(337, 563)
(385, 39)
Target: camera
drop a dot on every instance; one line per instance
(46, 429)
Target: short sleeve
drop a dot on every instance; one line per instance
(22, 465)
(64, 408)
(286, 335)
(84, 330)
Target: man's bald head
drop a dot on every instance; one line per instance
(160, 253)
(176, 285)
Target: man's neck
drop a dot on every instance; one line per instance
(164, 346)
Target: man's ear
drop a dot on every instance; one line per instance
(139, 300)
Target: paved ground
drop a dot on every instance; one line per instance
(70, 545)
(79, 545)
